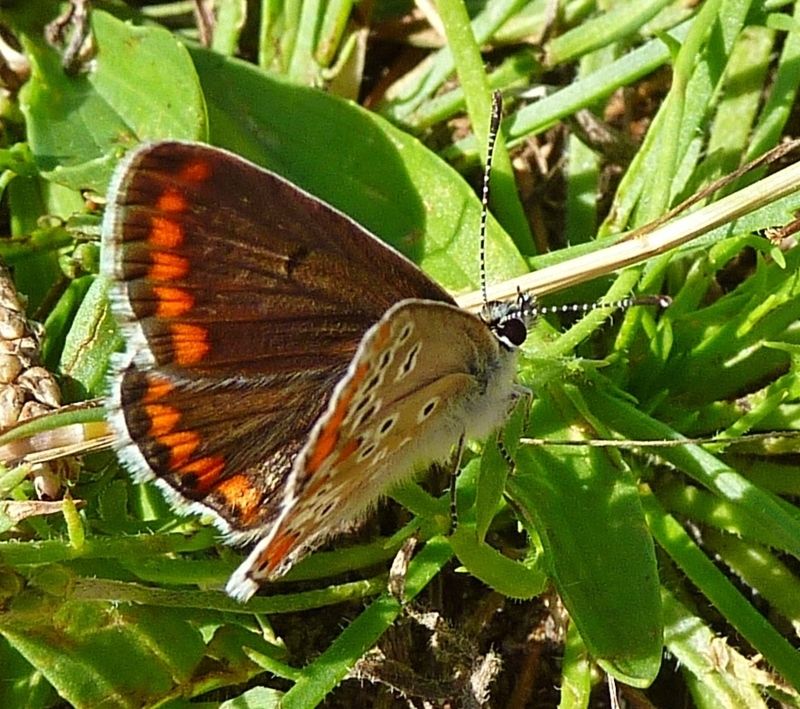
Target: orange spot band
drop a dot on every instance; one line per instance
(165, 233)
(171, 201)
(172, 302)
(156, 389)
(206, 469)
(163, 419)
(181, 446)
(382, 335)
(167, 267)
(239, 494)
(196, 171)
(189, 343)
(277, 551)
(329, 435)
(347, 450)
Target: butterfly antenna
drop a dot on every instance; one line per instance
(494, 129)
(661, 301)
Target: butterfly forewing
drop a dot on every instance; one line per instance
(228, 269)
(243, 300)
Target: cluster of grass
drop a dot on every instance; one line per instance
(689, 548)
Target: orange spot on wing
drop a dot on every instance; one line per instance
(172, 302)
(277, 551)
(189, 343)
(156, 389)
(165, 233)
(167, 267)
(347, 450)
(382, 335)
(206, 469)
(234, 486)
(329, 435)
(325, 445)
(196, 171)
(181, 446)
(171, 201)
(238, 493)
(162, 419)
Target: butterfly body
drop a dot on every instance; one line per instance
(284, 368)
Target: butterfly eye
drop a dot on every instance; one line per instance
(511, 332)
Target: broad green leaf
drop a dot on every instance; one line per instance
(586, 509)
(359, 163)
(91, 341)
(140, 85)
(511, 578)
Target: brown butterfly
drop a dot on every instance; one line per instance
(284, 367)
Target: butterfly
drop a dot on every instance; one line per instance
(284, 368)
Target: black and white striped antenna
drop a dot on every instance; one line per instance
(531, 306)
(494, 128)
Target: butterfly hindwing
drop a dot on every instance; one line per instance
(223, 446)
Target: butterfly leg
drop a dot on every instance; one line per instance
(507, 457)
(525, 395)
(453, 477)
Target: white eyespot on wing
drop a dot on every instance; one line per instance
(363, 418)
(367, 450)
(364, 415)
(362, 409)
(371, 384)
(386, 359)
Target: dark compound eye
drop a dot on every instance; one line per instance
(512, 332)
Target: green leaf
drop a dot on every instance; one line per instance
(141, 86)
(587, 511)
(509, 577)
(725, 597)
(92, 339)
(255, 698)
(96, 654)
(359, 163)
(23, 685)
